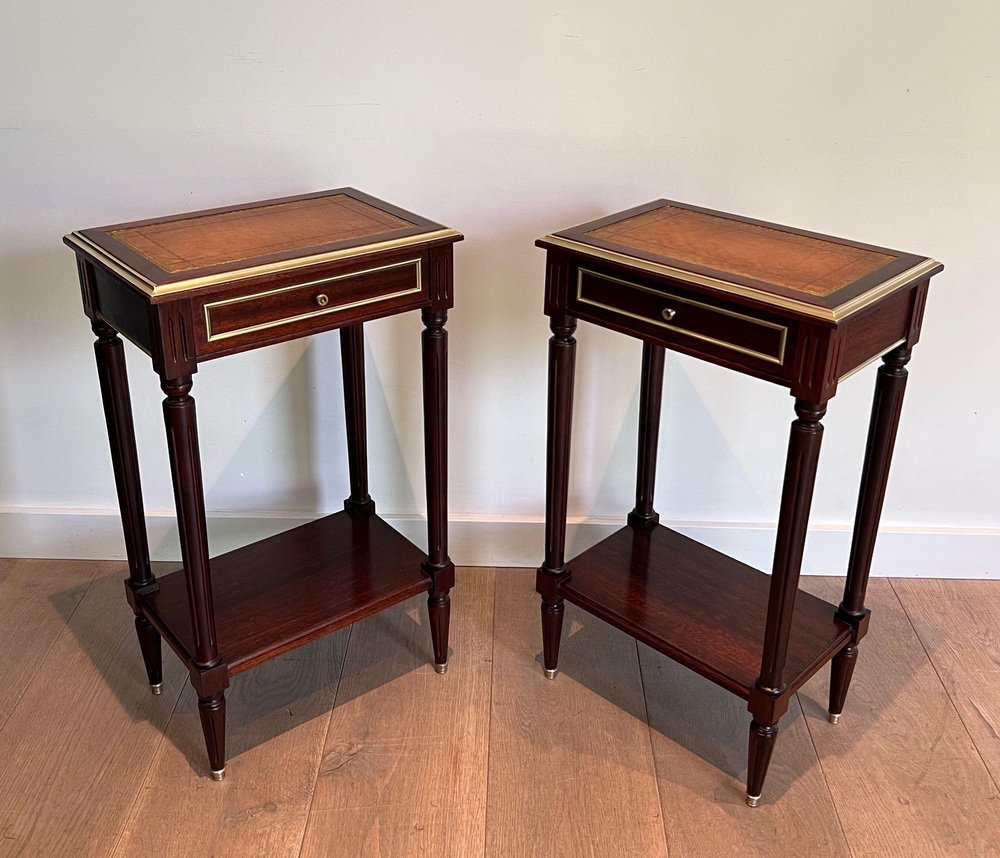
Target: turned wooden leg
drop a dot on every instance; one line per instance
(769, 696)
(650, 398)
(562, 361)
(213, 723)
(438, 565)
(185, 468)
(113, 378)
(890, 386)
(352, 355)
(762, 737)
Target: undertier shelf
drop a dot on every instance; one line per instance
(288, 589)
(698, 606)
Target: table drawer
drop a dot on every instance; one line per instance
(313, 303)
(685, 316)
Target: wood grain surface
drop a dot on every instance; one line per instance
(621, 755)
(40, 599)
(958, 623)
(571, 767)
(402, 772)
(277, 720)
(903, 772)
(705, 609)
(699, 735)
(75, 751)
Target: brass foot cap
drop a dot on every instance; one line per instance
(833, 717)
(157, 689)
(753, 800)
(441, 668)
(219, 775)
(551, 674)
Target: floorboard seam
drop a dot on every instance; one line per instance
(45, 656)
(951, 699)
(145, 776)
(652, 749)
(326, 734)
(826, 782)
(489, 726)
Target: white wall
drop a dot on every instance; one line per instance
(876, 121)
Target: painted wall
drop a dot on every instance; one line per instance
(876, 121)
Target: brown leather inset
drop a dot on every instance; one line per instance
(237, 236)
(800, 262)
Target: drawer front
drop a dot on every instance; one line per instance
(688, 318)
(313, 305)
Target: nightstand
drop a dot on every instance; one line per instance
(194, 287)
(798, 309)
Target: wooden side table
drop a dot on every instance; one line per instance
(799, 309)
(194, 287)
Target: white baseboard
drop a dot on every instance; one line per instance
(911, 552)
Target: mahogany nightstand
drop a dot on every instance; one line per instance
(193, 287)
(799, 309)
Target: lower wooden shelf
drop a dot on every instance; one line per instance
(288, 589)
(698, 606)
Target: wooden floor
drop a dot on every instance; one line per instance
(354, 746)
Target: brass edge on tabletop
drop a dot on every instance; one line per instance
(778, 359)
(834, 314)
(312, 313)
(108, 261)
(149, 287)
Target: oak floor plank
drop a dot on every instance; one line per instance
(404, 762)
(699, 734)
(904, 774)
(276, 721)
(571, 767)
(958, 622)
(76, 748)
(36, 595)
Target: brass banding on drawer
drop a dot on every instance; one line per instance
(720, 326)
(233, 317)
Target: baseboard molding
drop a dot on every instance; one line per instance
(911, 552)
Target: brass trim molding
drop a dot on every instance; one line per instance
(263, 326)
(133, 277)
(834, 314)
(779, 359)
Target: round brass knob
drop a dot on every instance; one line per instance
(668, 314)
(322, 299)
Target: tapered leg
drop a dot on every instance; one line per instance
(438, 566)
(213, 723)
(353, 360)
(149, 644)
(841, 671)
(762, 737)
(562, 363)
(886, 408)
(185, 467)
(651, 396)
(439, 612)
(796, 499)
(125, 461)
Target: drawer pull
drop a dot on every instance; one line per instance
(668, 314)
(322, 299)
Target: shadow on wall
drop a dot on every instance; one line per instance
(695, 458)
(41, 318)
(291, 465)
